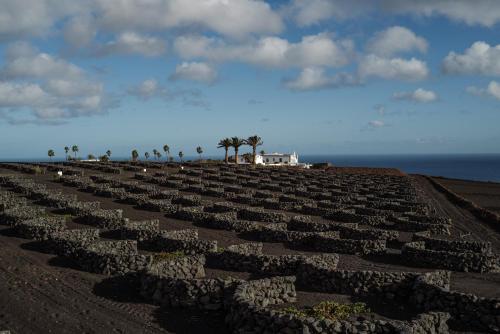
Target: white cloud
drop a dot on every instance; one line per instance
(19, 95)
(23, 61)
(431, 140)
(33, 17)
(376, 124)
(133, 43)
(194, 71)
(61, 87)
(80, 31)
(394, 40)
(480, 58)
(151, 88)
(275, 52)
(492, 90)
(477, 12)
(50, 87)
(313, 78)
(147, 89)
(420, 95)
(393, 68)
(45, 105)
(235, 18)
(309, 12)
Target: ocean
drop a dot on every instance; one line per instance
(479, 167)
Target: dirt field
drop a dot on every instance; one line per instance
(484, 194)
(39, 293)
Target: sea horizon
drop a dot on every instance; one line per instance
(474, 166)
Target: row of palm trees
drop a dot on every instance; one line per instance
(236, 143)
(166, 149)
(74, 149)
(226, 143)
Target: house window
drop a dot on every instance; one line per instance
(267, 159)
(281, 160)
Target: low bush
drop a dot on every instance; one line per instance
(329, 310)
(163, 256)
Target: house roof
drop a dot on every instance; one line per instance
(275, 154)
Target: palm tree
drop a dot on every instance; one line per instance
(181, 155)
(108, 153)
(254, 141)
(66, 149)
(51, 153)
(199, 150)
(155, 153)
(74, 148)
(236, 143)
(158, 154)
(146, 155)
(167, 151)
(226, 143)
(262, 152)
(135, 155)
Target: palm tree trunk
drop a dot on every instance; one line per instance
(254, 153)
(226, 158)
(236, 155)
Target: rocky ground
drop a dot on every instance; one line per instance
(39, 293)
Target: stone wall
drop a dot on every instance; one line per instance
(111, 257)
(468, 311)
(65, 243)
(140, 230)
(321, 277)
(181, 240)
(249, 312)
(418, 253)
(40, 228)
(256, 214)
(16, 215)
(180, 282)
(330, 244)
(248, 257)
(453, 245)
(105, 219)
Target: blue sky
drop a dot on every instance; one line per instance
(317, 76)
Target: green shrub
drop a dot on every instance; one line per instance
(220, 250)
(164, 256)
(38, 170)
(329, 310)
(68, 217)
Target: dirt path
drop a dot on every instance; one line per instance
(463, 221)
(41, 294)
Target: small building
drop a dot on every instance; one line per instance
(277, 159)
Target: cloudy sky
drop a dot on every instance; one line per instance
(315, 76)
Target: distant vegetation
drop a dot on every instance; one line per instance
(225, 143)
(51, 153)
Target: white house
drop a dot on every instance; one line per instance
(277, 159)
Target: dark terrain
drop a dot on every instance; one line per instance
(40, 293)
